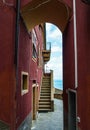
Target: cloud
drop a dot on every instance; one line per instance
(57, 70)
(56, 49)
(53, 33)
(55, 60)
(55, 37)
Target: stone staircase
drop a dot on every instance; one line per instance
(45, 103)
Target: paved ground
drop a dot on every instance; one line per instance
(50, 120)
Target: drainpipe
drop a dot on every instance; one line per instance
(17, 47)
(17, 31)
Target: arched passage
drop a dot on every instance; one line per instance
(40, 11)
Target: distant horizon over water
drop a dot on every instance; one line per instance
(58, 84)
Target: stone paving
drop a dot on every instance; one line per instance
(50, 120)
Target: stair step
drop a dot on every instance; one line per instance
(45, 77)
(44, 106)
(44, 91)
(45, 97)
(46, 103)
(44, 110)
(46, 81)
(44, 100)
(48, 78)
(45, 84)
(46, 88)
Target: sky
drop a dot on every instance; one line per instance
(54, 35)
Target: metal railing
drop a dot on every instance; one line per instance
(48, 46)
(47, 69)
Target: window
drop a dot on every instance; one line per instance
(24, 82)
(39, 58)
(34, 42)
(34, 52)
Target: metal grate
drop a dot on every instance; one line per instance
(4, 126)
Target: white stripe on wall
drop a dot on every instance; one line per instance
(75, 43)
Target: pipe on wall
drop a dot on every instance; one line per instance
(16, 57)
(17, 31)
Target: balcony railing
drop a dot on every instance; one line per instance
(48, 46)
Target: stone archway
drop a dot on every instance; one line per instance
(40, 11)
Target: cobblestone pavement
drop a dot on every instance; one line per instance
(50, 120)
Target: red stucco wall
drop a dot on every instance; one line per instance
(23, 102)
(12, 110)
(68, 67)
(83, 56)
(83, 40)
(13, 106)
(30, 65)
(7, 70)
(24, 2)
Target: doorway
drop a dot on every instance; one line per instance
(34, 103)
(72, 108)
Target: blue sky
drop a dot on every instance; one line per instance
(54, 35)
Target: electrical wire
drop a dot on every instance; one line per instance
(33, 8)
(43, 3)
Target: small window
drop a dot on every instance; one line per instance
(39, 58)
(24, 82)
(34, 43)
(34, 52)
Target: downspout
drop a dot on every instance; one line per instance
(17, 32)
(16, 58)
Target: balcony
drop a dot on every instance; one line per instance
(46, 55)
(46, 52)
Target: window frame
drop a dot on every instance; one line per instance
(34, 44)
(24, 84)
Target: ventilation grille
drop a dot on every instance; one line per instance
(4, 126)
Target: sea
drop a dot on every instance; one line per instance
(58, 84)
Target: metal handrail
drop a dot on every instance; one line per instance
(48, 46)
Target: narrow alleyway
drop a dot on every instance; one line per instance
(50, 120)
